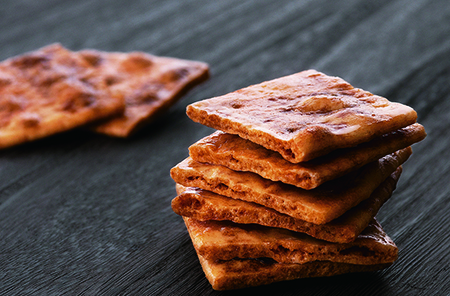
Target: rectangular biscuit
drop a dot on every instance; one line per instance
(244, 273)
(304, 115)
(44, 92)
(149, 84)
(225, 240)
(239, 154)
(318, 206)
(204, 205)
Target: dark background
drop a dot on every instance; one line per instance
(84, 214)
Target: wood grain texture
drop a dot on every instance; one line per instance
(82, 214)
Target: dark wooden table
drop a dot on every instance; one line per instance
(83, 214)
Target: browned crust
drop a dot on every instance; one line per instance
(149, 84)
(44, 92)
(318, 206)
(242, 155)
(243, 273)
(204, 205)
(304, 115)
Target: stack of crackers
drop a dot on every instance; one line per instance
(53, 89)
(290, 184)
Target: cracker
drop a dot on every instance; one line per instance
(239, 154)
(44, 92)
(224, 240)
(204, 205)
(318, 206)
(243, 273)
(249, 272)
(150, 85)
(304, 115)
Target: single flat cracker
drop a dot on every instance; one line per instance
(318, 206)
(224, 240)
(304, 115)
(244, 273)
(44, 92)
(239, 154)
(150, 85)
(204, 205)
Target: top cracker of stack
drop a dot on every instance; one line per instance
(306, 152)
(303, 116)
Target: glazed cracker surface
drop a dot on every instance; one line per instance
(318, 206)
(204, 205)
(239, 154)
(45, 92)
(149, 84)
(304, 115)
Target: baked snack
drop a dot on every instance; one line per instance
(318, 206)
(239, 154)
(44, 92)
(304, 115)
(204, 205)
(289, 185)
(149, 84)
(374, 250)
(243, 273)
(225, 240)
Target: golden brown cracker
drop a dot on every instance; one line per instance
(225, 240)
(318, 206)
(44, 92)
(149, 84)
(204, 205)
(304, 115)
(243, 273)
(239, 154)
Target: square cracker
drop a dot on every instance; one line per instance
(244, 273)
(239, 154)
(224, 240)
(150, 85)
(204, 205)
(318, 206)
(44, 92)
(304, 115)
